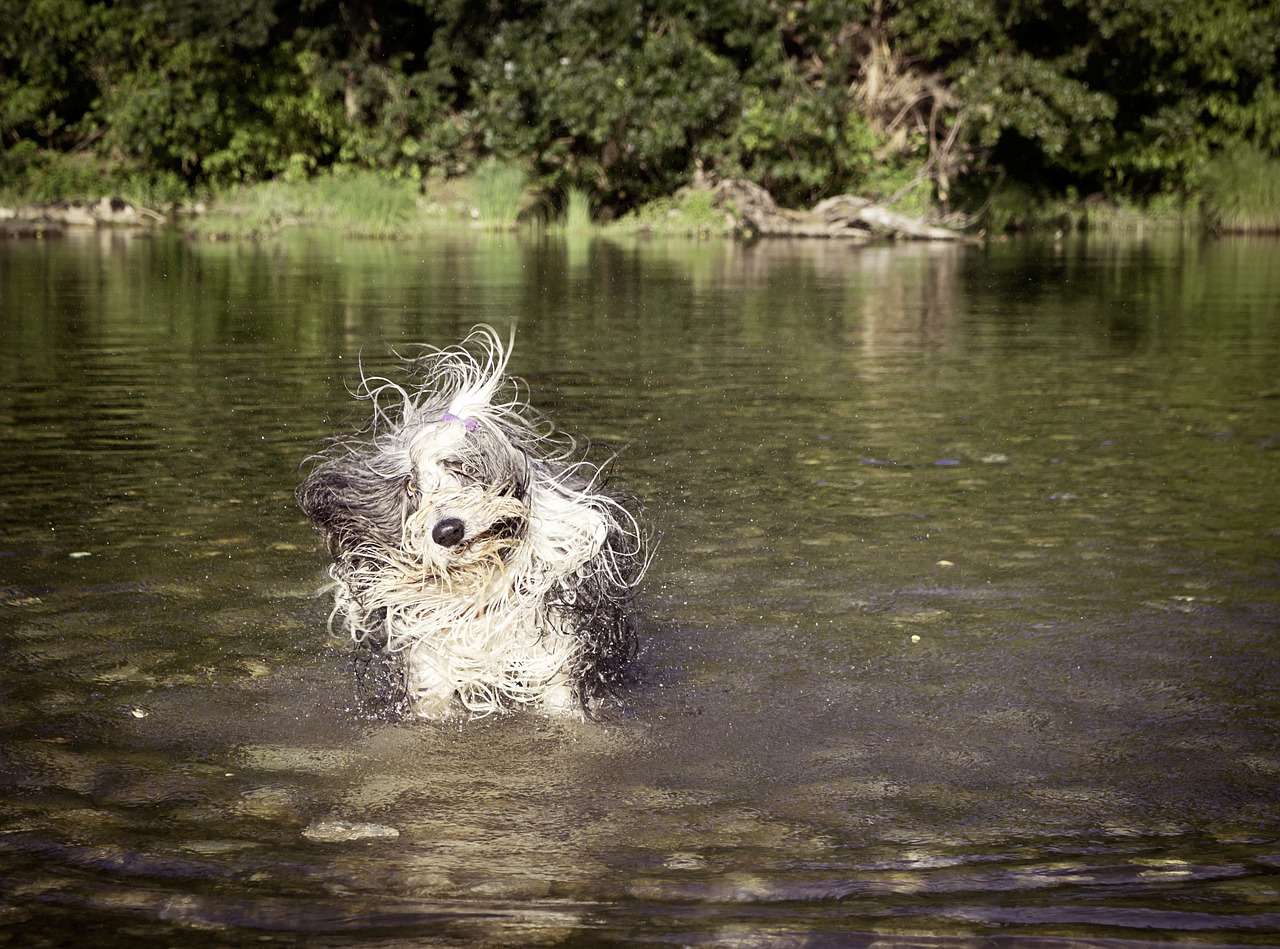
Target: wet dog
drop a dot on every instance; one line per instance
(474, 546)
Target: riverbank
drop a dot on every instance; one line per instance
(367, 205)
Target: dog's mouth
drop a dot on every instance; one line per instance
(506, 528)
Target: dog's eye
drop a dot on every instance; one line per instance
(409, 489)
(459, 469)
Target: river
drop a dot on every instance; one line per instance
(963, 626)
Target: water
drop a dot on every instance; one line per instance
(964, 624)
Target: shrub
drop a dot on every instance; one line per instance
(1241, 187)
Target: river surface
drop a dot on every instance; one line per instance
(963, 627)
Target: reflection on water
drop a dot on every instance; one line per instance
(963, 621)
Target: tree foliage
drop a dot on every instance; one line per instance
(629, 99)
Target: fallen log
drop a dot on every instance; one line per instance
(846, 217)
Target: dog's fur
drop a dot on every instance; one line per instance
(473, 545)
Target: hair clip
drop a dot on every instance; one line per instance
(469, 424)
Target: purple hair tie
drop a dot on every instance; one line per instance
(469, 424)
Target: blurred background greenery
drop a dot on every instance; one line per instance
(1005, 109)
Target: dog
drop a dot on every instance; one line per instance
(475, 547)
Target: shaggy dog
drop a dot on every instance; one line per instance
(472, 545)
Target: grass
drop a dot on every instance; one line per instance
(688, 213)
(577, 212)
(1242, 192)
(367, 205)
(354, 203)
(498, 190)
(260, 210)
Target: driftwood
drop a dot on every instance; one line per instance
(847, 217)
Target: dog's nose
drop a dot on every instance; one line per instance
(449, 532)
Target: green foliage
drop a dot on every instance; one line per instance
(610, 96)
(1129, 98)
(403, 124)
(1242, 191)
(900, 187)
(625, 99)
(50, 52)
(690, 213)
(800, 143)
(47, 176)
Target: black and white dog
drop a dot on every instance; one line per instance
(474, 545)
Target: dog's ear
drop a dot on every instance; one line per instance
(354, 500)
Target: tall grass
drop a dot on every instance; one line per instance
(364, 204)
(577, 211)
(498, 192)
(356, 203)
(260, 210)
(1242, 191)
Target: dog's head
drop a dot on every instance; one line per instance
(439, 482)
(466, 506)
